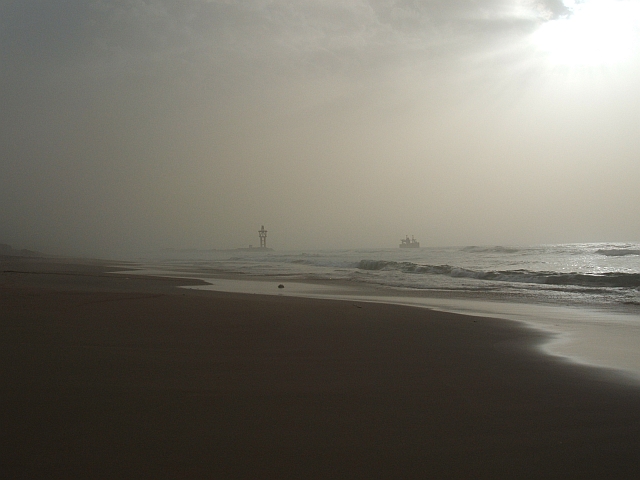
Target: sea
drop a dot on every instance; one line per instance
(585, 295)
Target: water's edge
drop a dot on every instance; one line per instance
(581, 335)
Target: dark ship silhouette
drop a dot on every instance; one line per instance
(409, 242)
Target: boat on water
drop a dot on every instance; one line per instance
(409, 242)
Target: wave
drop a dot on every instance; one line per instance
(611, 280)
(301, 261)
(617, 252)
(496, 249)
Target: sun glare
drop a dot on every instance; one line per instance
(597, 32)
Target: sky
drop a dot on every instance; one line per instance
(128, 126)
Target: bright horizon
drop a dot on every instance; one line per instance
(131, 126)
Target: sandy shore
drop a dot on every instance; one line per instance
(105, 375)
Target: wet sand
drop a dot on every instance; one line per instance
(105, 375)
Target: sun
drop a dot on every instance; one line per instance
(595, 33)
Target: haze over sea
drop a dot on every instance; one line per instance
(586, 295)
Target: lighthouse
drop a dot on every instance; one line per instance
(262, 233)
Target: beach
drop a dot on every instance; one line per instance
(106, 374)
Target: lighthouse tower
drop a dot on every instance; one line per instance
(262, 233)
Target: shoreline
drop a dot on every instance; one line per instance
(106, 375)
(586, 336)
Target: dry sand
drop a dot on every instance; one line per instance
(105, 376)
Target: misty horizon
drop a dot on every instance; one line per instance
(134, 126)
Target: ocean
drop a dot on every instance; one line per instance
(602, 275)
(586, 296)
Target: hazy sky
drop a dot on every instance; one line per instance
(130, 125)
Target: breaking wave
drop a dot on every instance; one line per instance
(303, 262)
(617, 252)
(496, 249)
(611, 280)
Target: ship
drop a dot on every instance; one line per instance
(409, 242)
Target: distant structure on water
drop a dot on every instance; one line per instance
(409, 242)
(262, 235)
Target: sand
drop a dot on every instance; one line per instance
(105, 375)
